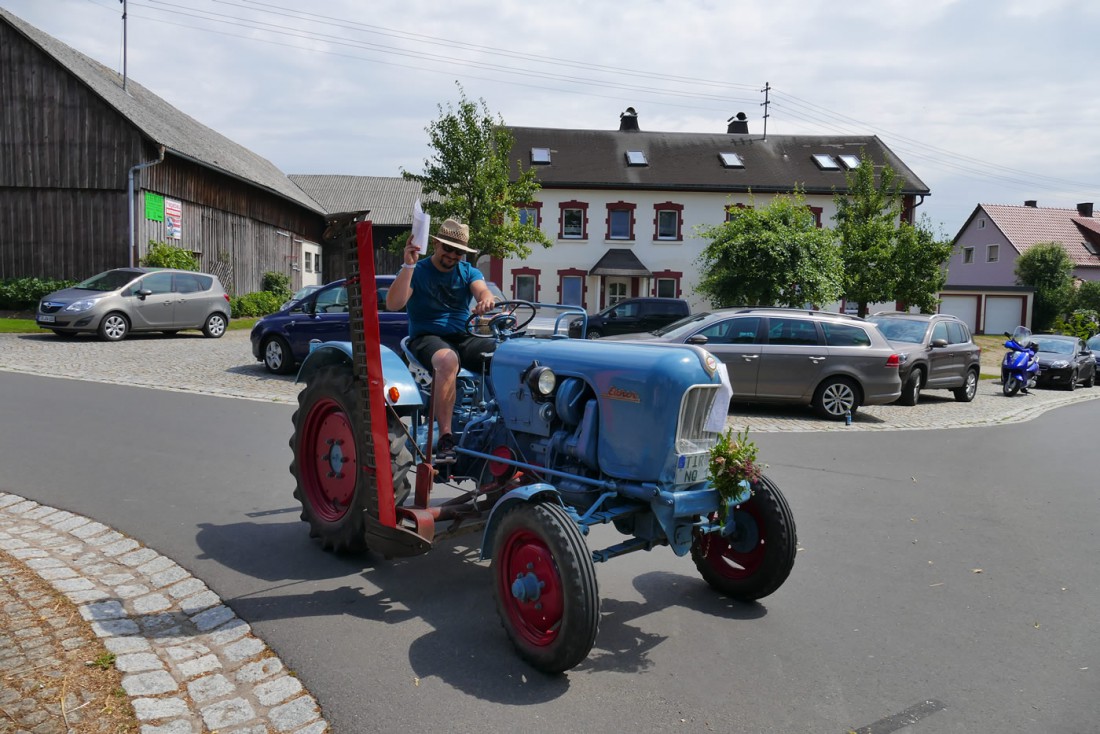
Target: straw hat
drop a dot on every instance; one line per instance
(454, 233)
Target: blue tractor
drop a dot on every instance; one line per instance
(559, 435)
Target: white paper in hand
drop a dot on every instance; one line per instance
(420, 227)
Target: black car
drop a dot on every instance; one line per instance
(632, 316)
(937, 352)
(1064, 361)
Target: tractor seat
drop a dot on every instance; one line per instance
(421, 374)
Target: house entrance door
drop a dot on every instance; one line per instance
(618, 289)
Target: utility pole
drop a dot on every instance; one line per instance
(767, 88)
(124, 6)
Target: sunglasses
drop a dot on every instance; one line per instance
(451, 250)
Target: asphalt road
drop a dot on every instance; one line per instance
(945, 579)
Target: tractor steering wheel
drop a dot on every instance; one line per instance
(503, 319)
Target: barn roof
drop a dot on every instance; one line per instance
(180, 134)
(389, 198)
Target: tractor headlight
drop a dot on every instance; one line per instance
(541, 381)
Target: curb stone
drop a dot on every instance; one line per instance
(188, 663)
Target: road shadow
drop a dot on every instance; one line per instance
(449, 589)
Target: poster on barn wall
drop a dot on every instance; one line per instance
(173, 218)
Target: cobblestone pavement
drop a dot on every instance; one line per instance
(188, 663)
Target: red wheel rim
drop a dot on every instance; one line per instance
(525, 556)
(327, 460)
(728, 558)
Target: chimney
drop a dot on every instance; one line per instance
(738, 124)
(1085, 210)
(628, 120)
(1033, 203)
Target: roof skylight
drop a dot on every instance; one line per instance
(731, 160)
(826, 162)
(636, 158)
(851, 162)
(540, 156)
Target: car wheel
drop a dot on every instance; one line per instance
(1073, 378)
(277, 356)
(593, 334)
(215, 326)
(910, 392)
(835, 398)
(1092, 379)
(969, 389)
(114, 327)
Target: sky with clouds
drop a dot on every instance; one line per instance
(987, 101)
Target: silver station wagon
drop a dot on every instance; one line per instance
(114, 303)
(830, 361)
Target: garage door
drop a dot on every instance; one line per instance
(963, 307)
(1003, 313)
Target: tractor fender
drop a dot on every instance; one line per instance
(528, 493)
(395, 372)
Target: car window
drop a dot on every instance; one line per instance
(334, 300)
(957, 333)
(845, 335)
(683, 327)
(792, 332)
(109, 281)
(625, 310)
(186, 283)
(733, 331)
(157, 283)
(939, 331)
(1055, 346)
(901, 330)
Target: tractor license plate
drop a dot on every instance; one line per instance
(691, 468)
(46, 318)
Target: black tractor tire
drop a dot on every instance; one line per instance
(278, 358)
(835, 397)
(758, 557)
(910, 391)
(966, 393)
(329, 482)
(215, 326)
(113, 327)
(544, 582)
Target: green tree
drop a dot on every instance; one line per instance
(867, 217)
(163, 255)
(1047, 268)
(1088, 296)
(775, 256)
(918, 262)
(468, 177)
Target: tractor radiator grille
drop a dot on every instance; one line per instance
(691, 437)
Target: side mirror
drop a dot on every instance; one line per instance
(697, 339)
(143, 293)
(939, 343)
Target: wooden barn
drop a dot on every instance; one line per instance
(93, 167)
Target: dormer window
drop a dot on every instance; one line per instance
(731, 160)
(851, 162)
(826, 162)
(636, 158)
(540, 156)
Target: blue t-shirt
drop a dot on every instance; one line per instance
(440, 302)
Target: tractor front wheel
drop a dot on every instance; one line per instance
(752, 559)
(334, 490)
(544, 582)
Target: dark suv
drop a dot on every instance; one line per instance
(632, 316)
(937, 352)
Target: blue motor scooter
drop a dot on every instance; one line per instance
(1020, 366)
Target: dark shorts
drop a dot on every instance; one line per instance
(470, 349)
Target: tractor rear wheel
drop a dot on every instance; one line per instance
(544, 582)
(757, 556)
(334, 491)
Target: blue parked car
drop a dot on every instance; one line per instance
(281, 340)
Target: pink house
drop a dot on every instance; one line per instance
(981, 284)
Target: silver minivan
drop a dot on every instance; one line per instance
(830, 361)
(114, 303)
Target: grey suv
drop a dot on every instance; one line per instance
(114, 303)
(937, 352)
(830, 361)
